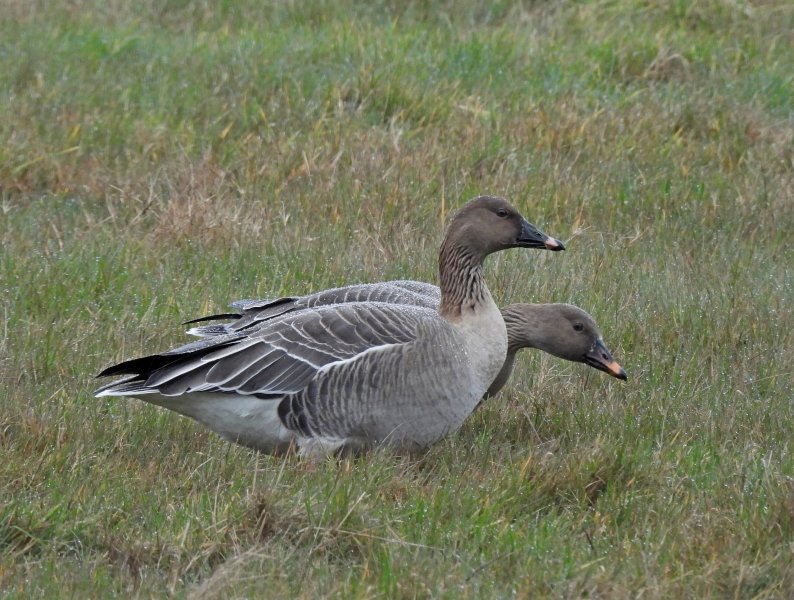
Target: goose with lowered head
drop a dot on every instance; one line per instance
(347, 376)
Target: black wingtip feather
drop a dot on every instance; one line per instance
(221, 317)
(146, 365)
(138, 366)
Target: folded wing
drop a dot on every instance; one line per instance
(277, 357)
(253, 312)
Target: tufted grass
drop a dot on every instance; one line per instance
(160, 159)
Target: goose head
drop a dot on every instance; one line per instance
(488, 224)
(563, 330)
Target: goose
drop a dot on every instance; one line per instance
(345, 377)
(562, 330)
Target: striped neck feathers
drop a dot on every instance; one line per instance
(524, 329)
(460, 278)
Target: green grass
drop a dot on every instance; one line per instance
(159, 160)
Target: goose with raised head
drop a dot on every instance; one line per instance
(562, 330)
(347, 376)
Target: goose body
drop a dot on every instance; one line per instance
(354, 374)
(302, 380)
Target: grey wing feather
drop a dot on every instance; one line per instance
(280, 357)
(253, 312)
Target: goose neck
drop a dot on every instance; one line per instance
(523, 327)
(461, 280)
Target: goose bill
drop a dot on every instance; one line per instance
(599, 357)
(532, 237)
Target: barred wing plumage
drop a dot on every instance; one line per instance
(253, 312)
(279, 357)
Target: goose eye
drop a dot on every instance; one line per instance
(578, 327)
(501, 212)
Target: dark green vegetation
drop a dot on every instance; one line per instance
(159, 159)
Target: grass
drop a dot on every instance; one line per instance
(159, 160)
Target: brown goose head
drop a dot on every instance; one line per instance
(488, 224)
(564, 330)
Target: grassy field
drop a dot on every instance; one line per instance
(160, 159)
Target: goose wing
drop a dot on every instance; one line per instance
(279, 357)
(253, 312)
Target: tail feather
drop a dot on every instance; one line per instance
(131, 386)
